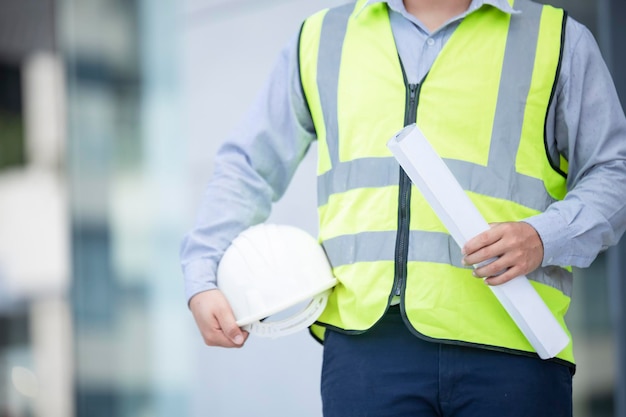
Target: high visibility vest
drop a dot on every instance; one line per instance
(483, 106)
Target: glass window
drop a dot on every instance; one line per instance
(12, 152)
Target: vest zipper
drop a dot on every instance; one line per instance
(404, 200)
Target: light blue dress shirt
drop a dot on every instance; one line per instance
(585, 123)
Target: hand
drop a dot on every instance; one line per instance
(516, 245)
(215, 320)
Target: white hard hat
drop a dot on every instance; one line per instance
(270, 268)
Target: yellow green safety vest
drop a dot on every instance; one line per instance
(483, 106)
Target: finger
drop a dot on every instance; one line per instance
(215, 319)
(472, 250)
(216, 337)
(481, 257)
(229, 328)
(494, 268)
(485, 255)
(213, 335)
(504, 277)
(219, 339)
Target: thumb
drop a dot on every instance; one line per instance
(231, 330)
(236, 335)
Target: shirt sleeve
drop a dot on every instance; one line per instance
(253, 168)
(589, 129)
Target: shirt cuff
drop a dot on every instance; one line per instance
(199, 277)
(551, 227)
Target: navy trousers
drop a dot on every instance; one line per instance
(389, 372)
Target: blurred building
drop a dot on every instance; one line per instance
(110, 114)
(35, 332)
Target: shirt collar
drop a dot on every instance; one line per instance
(398, 5)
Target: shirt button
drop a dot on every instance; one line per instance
(430, 41)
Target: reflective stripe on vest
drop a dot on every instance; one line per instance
(353, 83)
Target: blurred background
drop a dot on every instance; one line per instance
(110, 114)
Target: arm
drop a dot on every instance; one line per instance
(590, 130)
(252, 170)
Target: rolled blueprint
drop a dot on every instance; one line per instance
(458, 214)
